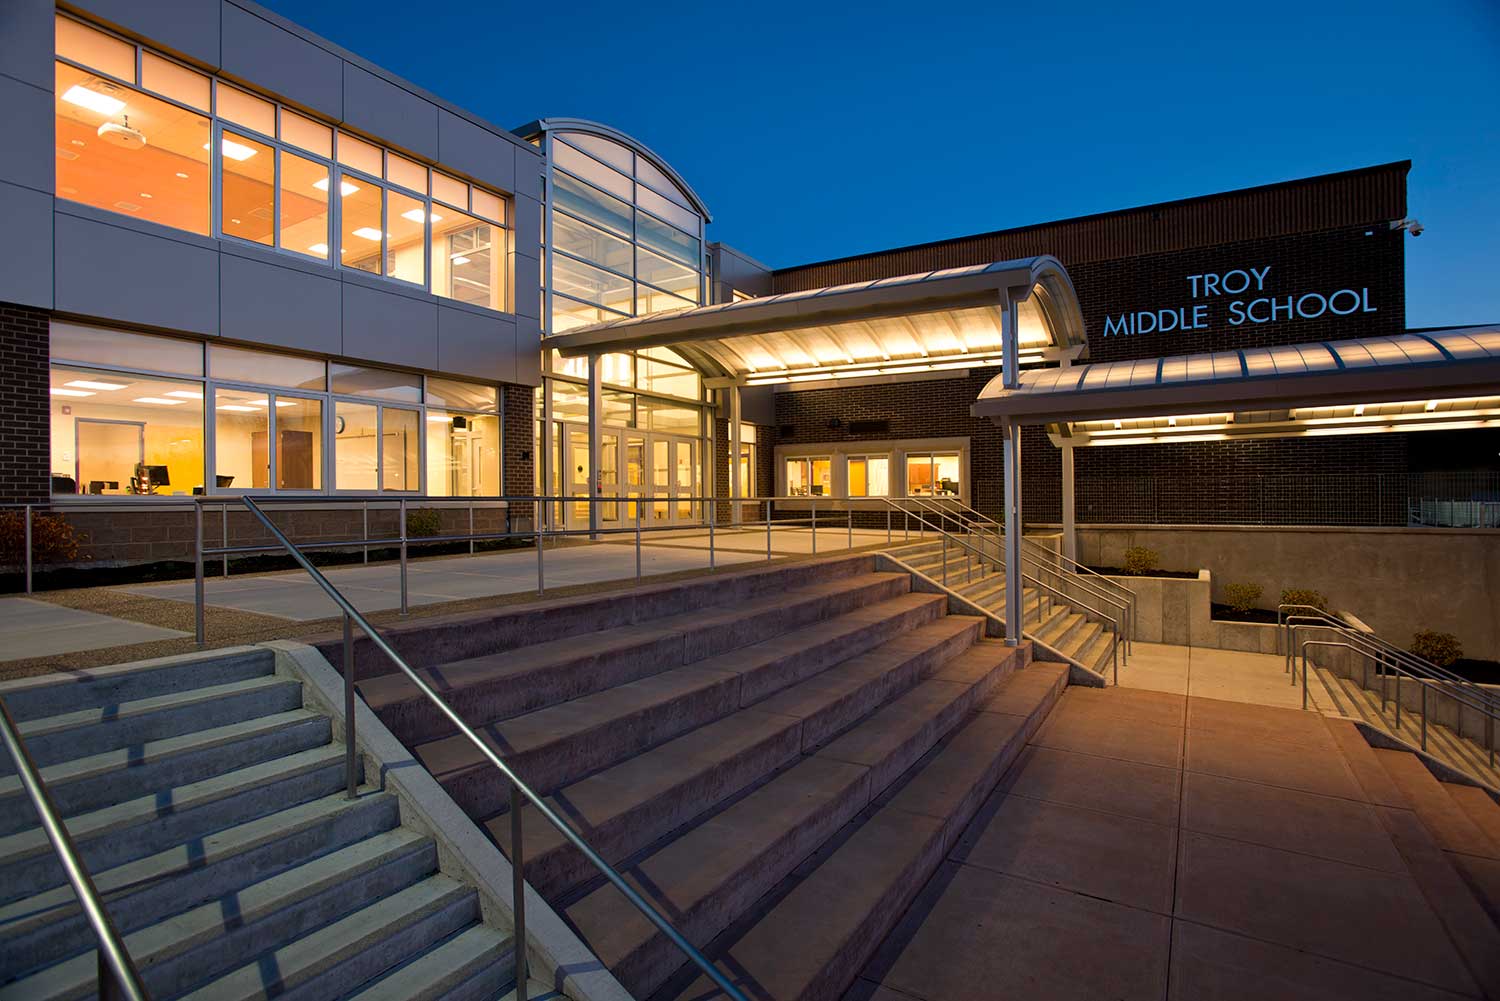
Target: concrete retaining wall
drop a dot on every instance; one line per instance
(1398, 580)
(1178, 610)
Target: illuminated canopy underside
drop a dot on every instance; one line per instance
(938, 320)
(1414, 381)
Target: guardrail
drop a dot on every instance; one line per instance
(519, 790)
(117, 975)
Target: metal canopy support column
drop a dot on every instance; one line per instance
(542, 515)
(1011, 373)
(736, 488)
(596, 409)
(1069, 512)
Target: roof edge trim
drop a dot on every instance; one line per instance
(608, 132)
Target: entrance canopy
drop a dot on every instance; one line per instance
(1416, 379)
(937, 320)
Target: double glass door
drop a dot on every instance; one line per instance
(666, 468)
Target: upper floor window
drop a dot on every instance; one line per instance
(147, 137)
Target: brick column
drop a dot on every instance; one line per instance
(25, 417)
(721, 470)
(518, 451)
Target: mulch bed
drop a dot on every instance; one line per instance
(1122, 572)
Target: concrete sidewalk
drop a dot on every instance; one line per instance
(1150, 845)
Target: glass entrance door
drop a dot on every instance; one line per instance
(635, 476)
(578, 477)
(609, 476)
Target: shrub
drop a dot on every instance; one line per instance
(422, 522)
(1440, 648)
(1304, 596)
(1140, 561)
(53, 540)
(1242, 597)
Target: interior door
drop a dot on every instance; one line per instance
(635, 474)
(683, 486)
(578, 476)
(609, 475)
(661, 480)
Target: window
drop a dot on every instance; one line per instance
(932, 474)
(809, 477)
(463, 454)
(153, 156)
(383, 383)
(116, 433)
(869, 476)
(375, 447)
(747, 460)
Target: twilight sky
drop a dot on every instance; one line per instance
(822, 130)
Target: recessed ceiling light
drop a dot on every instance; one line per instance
(182, 175)
(236, 151)
(286, 403)
(417, 215)
(57, 391)
(93, 100)
(147, 194)
(160, 401)
(319, 248)
(345, 188)
(90, 384)
(235, 407)
(235, 221)
(78, 142)
(367, 233)
(186, 394)
(460, 259)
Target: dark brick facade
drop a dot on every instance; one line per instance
(25, 463)
(1327, 234)
(518, 452)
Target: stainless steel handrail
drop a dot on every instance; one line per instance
(519, 789)
(1114, 620)
(117, 974)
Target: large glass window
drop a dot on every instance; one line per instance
(869, 476)
(809, 476)
(933, 474)
(399, 449)
(115, 433)
(356, 452)
(153, 156)
(463, 454)
(299, 443)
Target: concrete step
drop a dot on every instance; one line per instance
(627, 807)
(355, 949)
(1448, 823)
(1098, 654)
(716, 869)
(58, 694)
(90, 783)
(178, 954)
(1057, 631)
(122, 832)
(1081, 639)
(501, 685)
(97, 729)
(808, 939)
(560, 743)
(477, 964)
(42, 929)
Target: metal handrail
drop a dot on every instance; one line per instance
(519, 789)
(1311, 614)
(117, 975)
(1115, 621)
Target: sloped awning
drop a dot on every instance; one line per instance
(934, 320)
(1418, 365)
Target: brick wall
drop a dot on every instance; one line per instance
(518, 456)
(764, 472)
(25, 474)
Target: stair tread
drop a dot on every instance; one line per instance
(157, 943)
(152, 870)
(348, 937)
(551, 724)
(40, 696)
(117, 817)
(96, 715)
(444, 967)
(154, 751)
(817, 936)
(489, 668)
(615, 792)
(1480, 808)
(1448, 823)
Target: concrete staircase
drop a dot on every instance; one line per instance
(1344, 696)
(1053, 624)
(208, 803)
(748, 748)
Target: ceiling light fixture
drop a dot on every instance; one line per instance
(56, 391)
(417, 215)
(319, 248)
(93, 100)
(235, 151)
(186, 394)
(91, 384)
(234, 407)
(460, 259)
(182, 175)
(368, 233)
(345, 188)
(161, 401)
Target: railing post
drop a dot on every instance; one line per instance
(28, 551)
(351, 779)
(888, 526)
(638, 507)
(945, 559)
(402, 515)
(814, 527)
(713, 516)
(768, 531)
(1424, 715)
(540, 580)
(518, 890)
(364, 534)
(471, 526)
(198, 628)
(224, 538)
(1304, 679)
(849, 517)
(1398, 701)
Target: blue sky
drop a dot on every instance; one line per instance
(815, 131)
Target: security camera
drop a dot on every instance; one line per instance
(1415, 229)
(1412, 226)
